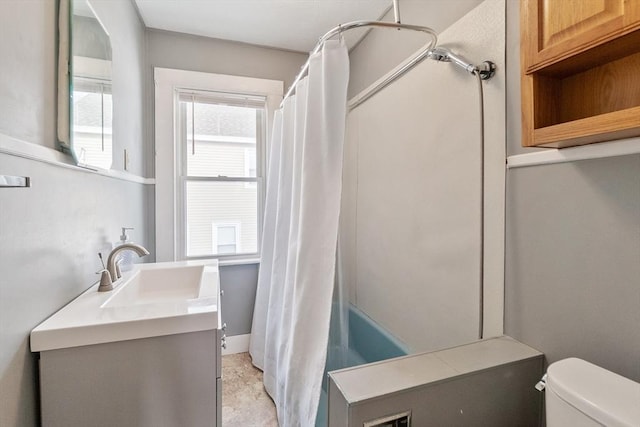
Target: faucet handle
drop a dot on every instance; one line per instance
(118, 271)
(105, 281)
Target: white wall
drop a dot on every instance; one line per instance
(411, 218)
(381, 50)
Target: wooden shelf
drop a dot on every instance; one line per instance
(581, 71)
(600, 128)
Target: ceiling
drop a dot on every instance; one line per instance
(285, 24)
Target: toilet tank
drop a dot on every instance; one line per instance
(580, 394)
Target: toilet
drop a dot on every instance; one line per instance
(580, 394)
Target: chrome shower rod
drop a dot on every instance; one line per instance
(357, 24)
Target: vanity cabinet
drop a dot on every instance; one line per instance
(146, 354)
(162, 381)
(580, 64)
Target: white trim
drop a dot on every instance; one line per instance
(224, 139)
(584, 152)
(167, 82)
(40, 153)
(242, 261)
(236, 344)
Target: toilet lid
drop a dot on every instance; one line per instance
(606, 397)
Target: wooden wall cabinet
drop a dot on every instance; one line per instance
(580, 63)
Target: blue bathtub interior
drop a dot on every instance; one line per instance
(368, 343)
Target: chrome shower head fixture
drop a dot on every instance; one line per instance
(486, 70)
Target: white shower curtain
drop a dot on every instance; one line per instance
(293, 302)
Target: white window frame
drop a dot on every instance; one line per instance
(247, 166)
(168, 83)
(184, 147)
(247, 163)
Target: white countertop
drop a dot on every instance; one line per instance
(86, 320)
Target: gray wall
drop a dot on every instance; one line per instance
(49, 233)
(127, 35)
(28, 69)
(50, 236)
(381, 50)
(239, 285)
(89, 38)
(194, 53)
(573, 249)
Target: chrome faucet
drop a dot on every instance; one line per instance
(112, 266)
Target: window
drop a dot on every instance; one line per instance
(210, 139)
(226, 238)
(92, 118)
(219, 135)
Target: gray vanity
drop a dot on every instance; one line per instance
(144, 355)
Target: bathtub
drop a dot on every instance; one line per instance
(368, 343)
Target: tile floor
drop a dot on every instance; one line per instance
(245, 403)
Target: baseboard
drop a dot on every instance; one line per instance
(237, 344)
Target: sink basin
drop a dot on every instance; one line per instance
(151, 300)
(161, 284)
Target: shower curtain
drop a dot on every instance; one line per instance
(298, 254)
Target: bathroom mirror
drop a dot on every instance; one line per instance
(91, 105)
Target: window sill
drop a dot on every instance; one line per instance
(246, 261)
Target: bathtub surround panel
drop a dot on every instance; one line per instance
(411, 226)
(484, 383)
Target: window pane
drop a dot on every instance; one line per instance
(226, 235)
(211, 208)
(225, 137)
(92, 117)
(226, 249)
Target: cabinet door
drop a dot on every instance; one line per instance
(560, 28)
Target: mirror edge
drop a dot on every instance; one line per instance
(64, 77)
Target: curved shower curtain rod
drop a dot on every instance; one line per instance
(357, 24)
(485, 71)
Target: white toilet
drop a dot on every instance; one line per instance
(580, 394)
